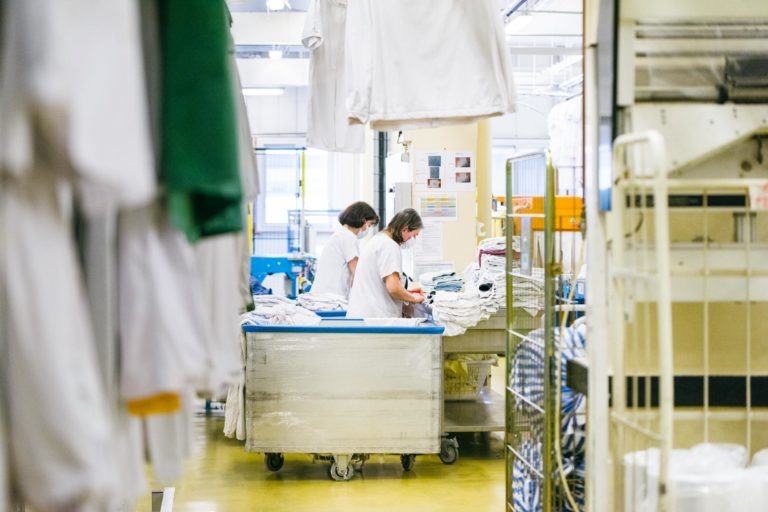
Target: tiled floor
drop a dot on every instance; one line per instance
(222, 477)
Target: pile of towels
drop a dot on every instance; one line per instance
(323, 302)
(274, 310)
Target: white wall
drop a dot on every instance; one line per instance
(285, 114)
(524, 130)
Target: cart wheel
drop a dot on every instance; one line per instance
(449, 451)
(337, 474)
(274, 461)
(407, 461)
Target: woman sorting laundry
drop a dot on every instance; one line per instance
(377, 291)
(336, 265)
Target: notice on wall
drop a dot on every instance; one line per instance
(460, 171)
(430, 170)
(758, 196)
(444, 170)
(430, 244)
(438, 206)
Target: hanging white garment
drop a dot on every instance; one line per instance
(418, 64)
(163, 322)
(58, 419)
(218, 266)
(327, 124)
(4, 473)
(249, 176)
(128, 442)
(89, 100)
(169, 440)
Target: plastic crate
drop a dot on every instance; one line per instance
(465, 379)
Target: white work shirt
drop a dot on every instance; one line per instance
(417, 64)
(369, 297)
(327, 125)
(333, 274)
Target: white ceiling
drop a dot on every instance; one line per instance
(261, 5)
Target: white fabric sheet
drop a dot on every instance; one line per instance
(417, 64)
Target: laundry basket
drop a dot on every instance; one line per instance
(465, 378)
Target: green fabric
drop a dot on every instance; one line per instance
(199, 165)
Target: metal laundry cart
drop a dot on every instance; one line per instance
(343, 390)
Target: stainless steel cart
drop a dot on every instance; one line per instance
(343, 390)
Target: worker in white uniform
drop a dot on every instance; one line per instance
(336, 265)
(377, 291)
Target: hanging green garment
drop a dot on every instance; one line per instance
(199, 144)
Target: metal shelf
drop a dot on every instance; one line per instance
(486, 414)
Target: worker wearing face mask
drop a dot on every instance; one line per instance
(377, 291)
(336, 265)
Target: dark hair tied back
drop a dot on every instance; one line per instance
(357, 214)
(407, 218)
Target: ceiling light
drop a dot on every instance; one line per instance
(518, 23)
(276, 54)
(263, 91)
(276, 5)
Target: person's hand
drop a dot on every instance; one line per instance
(418, 296)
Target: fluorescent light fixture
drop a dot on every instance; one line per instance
(276, 5)
(518, 23)
(263, 91)
(276, 54)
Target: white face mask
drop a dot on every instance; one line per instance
(410, 243)
(362, 233)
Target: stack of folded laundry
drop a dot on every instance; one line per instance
(323, 302)
(441, 281)
(274, 310)
(491, 247)
(456, 311)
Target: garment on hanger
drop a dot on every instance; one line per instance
(84, 103)
(427, 63)
(128, 443)
(169, 440)
(199, 140)
(327, 125)
(59, 431)
(163, 321)
(218, 269)
(4, 472)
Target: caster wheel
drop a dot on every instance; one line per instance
(337, 474)
(449, 451)
(274, 461)
(407, 461)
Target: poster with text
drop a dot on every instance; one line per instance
(437, 206)
(430, 242)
